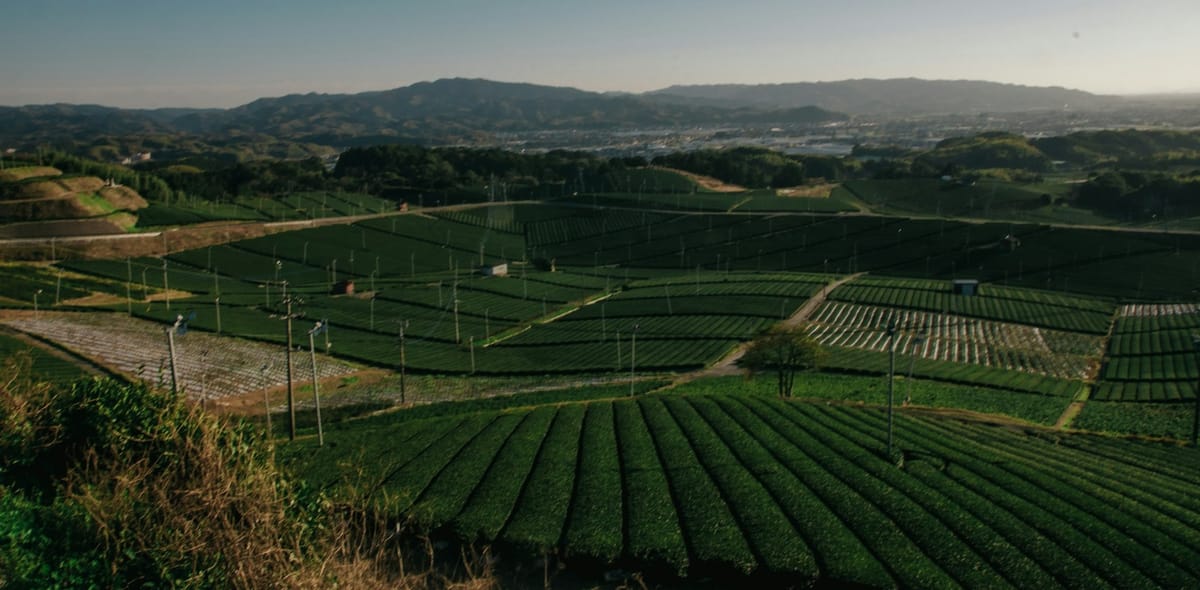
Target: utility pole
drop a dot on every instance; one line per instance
(471, 340)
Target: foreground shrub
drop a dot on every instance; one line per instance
(111, 485)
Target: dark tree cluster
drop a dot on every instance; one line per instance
(1141, 196)
(445, 168)
(753, 167)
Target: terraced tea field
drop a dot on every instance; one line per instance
(692, 285)
(954, 338)
(419, 272)
(1152, 356)
(44, 364)
(725, 485)
(1022, 306)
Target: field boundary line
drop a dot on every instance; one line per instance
(1074, 408)
(739, 204)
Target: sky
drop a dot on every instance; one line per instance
(222, 53)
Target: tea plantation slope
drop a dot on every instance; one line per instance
(730, 486)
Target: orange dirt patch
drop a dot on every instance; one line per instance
(172, 294)
(707, 182)
(821, 191)
(94, 300)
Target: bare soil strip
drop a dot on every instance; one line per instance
(707, 182)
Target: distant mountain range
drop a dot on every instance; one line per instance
(903, 96)
(461, 109)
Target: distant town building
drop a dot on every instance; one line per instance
(136, 158)
(494, 270)
(967, 287)
(343, 288)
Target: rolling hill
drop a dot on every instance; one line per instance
(458, 108)
(451, 109)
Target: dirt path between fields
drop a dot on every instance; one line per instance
(728, 364)
(1076, 406)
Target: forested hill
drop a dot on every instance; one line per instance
(451, 110)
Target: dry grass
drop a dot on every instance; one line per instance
(62, 206)
(180, 496)
(81, 184)
(57, 188)
(123, 197)
(23, 172)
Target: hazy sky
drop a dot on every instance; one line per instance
(221, 53)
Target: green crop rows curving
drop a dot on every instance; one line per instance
(718, 485)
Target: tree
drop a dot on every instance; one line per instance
(786, 352)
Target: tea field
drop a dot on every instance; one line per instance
(722, 486)
(609, 290)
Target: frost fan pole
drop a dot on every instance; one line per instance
(632, 358)
(403, 360)
(1196, 415)
(891, 331)
(290, 394)
(312, 354)
(171, 354)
